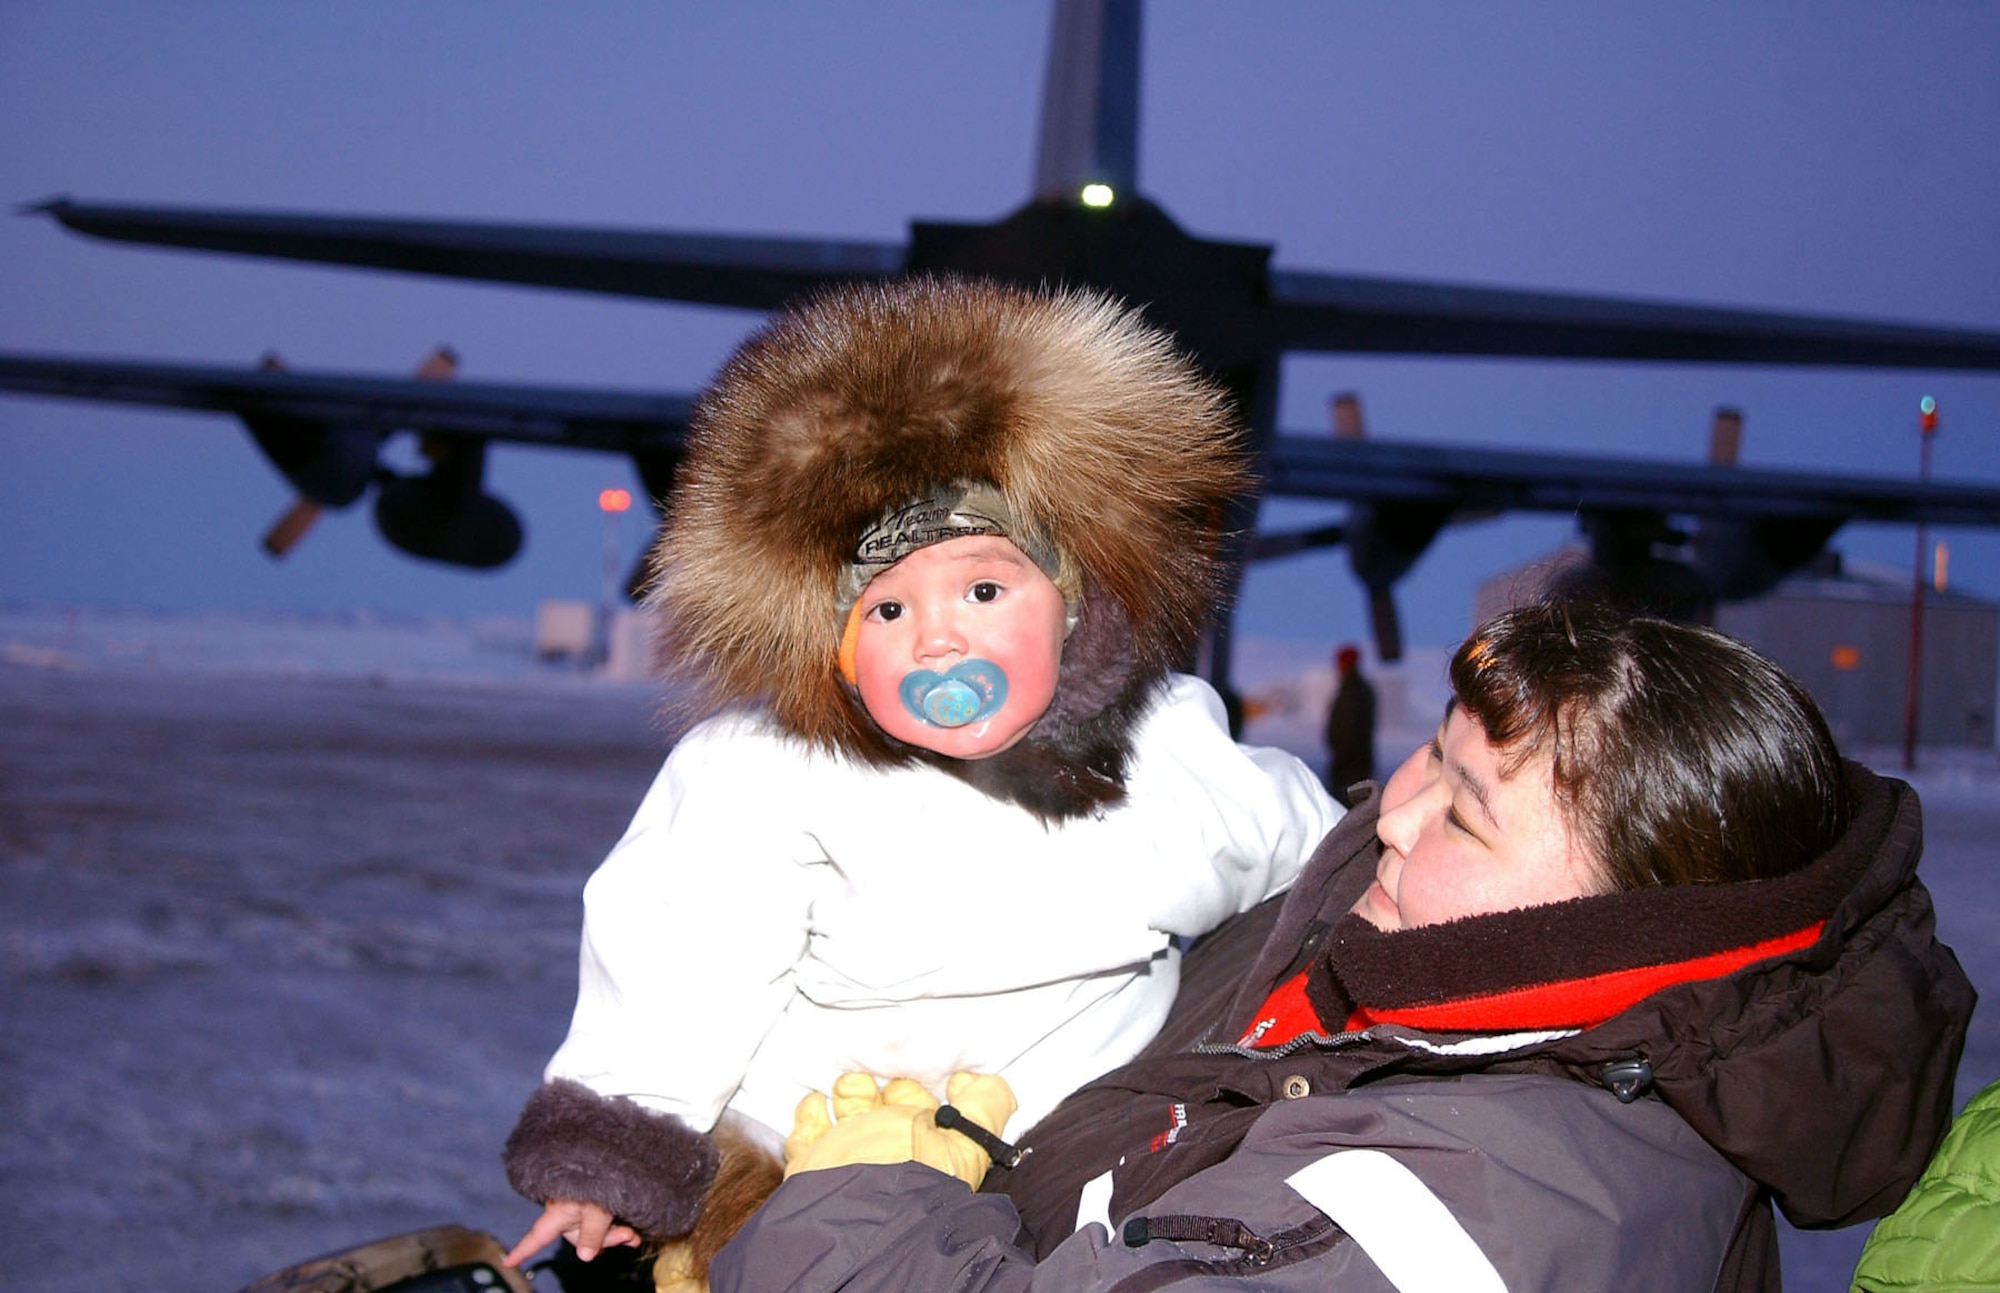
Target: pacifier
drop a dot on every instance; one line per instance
(965, 693)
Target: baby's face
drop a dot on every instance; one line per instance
(958, 645)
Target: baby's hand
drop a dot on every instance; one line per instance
(896, 1124)
(588, 1227)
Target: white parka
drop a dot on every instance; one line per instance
(776, 916)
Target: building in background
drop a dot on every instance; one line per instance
(1844, 633)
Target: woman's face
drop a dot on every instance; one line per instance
(1460, 839)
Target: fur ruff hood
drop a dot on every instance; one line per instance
(1094, 428)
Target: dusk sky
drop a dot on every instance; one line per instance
(1822, 157)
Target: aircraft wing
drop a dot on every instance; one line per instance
(548, 415)
(1331, 312)
(749, 273)
(1463, 478)
(1300, 311)
(1472, 480)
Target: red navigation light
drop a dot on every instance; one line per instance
(1927, 415)
(614, 500)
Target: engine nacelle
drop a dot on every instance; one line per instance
(1742, 559)
(329, 464)
(441, 520)
(1383, 542)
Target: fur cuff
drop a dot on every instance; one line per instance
(650, 1169)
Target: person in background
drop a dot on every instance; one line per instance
(1350, 726)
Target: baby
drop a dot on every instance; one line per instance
(933, 553)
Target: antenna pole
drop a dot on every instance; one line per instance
(1912, 683)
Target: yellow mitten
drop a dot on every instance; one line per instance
(673, 1271)
(897, 1124)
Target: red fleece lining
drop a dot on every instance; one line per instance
(1285, 1014)
(1569, 1003)
(1577, 1003)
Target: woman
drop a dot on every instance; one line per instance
(1620, 957)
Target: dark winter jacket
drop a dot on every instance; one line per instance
(1639, 1151)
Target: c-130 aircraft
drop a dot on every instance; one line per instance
(1086, 222)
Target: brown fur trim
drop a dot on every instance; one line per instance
(1088, 420)
(649, 1169)
(748, 1176)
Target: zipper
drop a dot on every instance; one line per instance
(1258, 1255)
(1292, 1046)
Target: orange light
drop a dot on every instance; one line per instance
(614, 500)
(1940, 567)
(1846, 658)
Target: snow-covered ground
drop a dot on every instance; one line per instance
(291, 910)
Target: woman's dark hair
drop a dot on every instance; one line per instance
(1680, 755)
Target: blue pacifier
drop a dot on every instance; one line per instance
(965, 693)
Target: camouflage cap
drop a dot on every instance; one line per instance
(961, 509)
